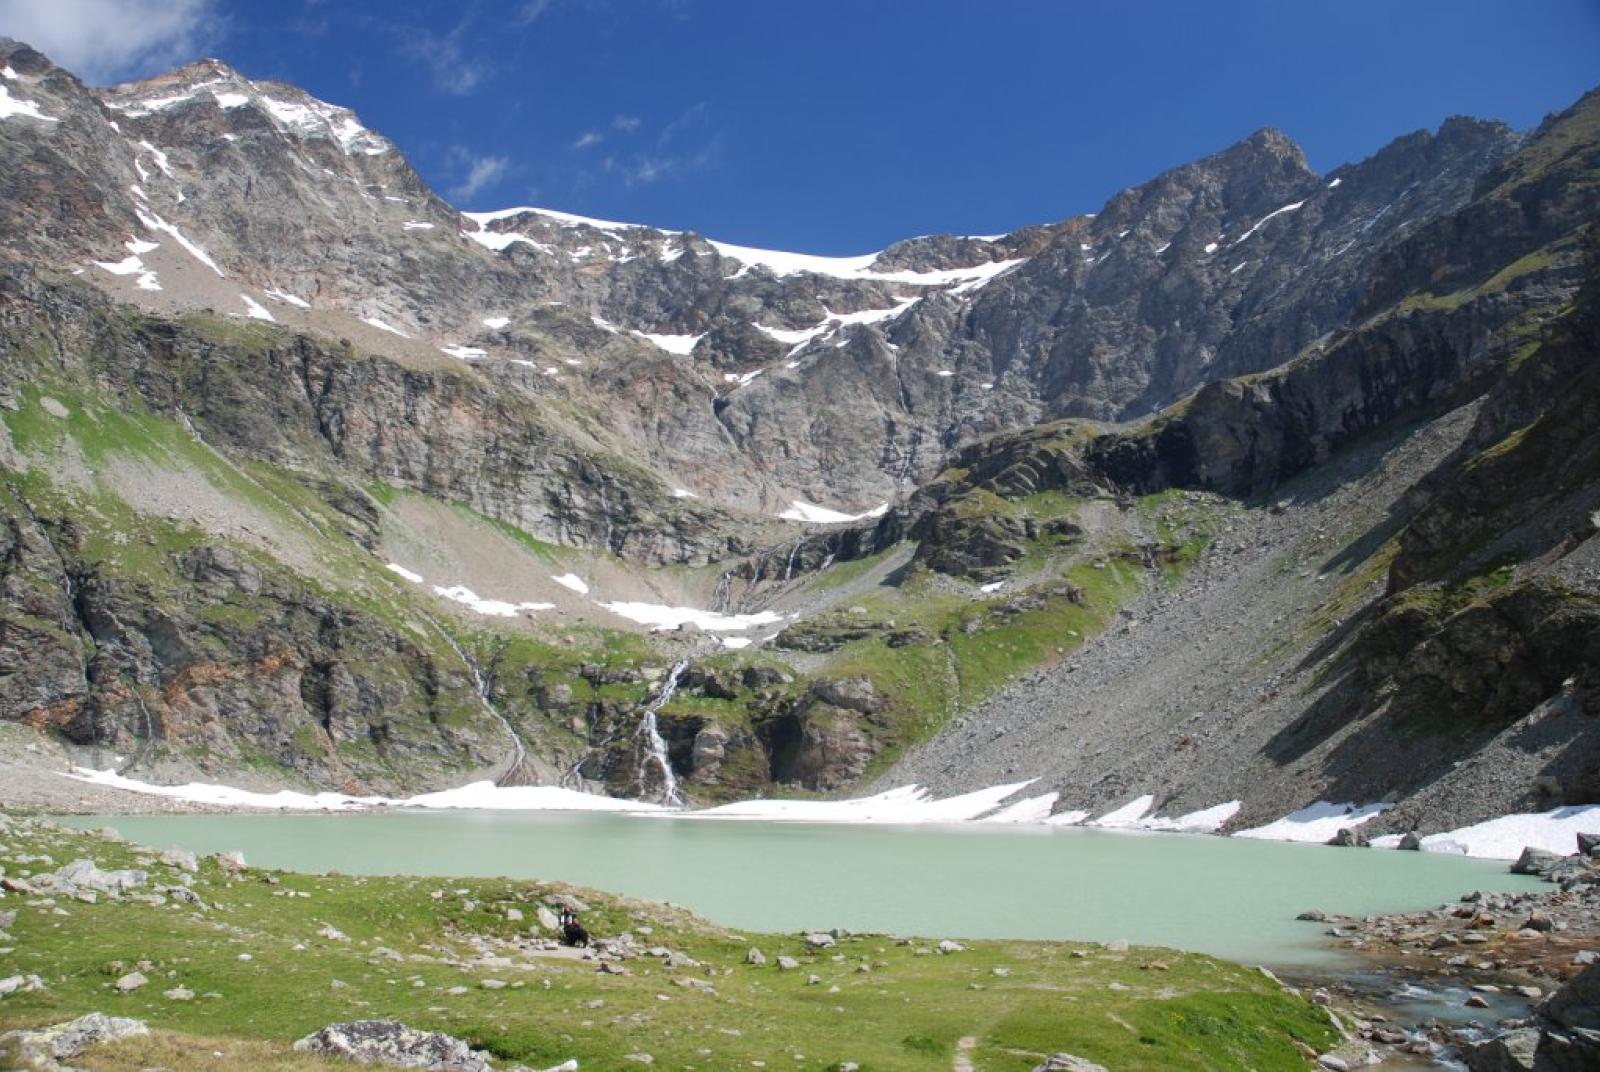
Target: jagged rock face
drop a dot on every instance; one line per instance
(256, 668)
(1430, 638)
(845, 380)
(583, 381)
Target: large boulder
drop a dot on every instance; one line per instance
(389, 1042)
(709, 749)
(43, 1047)
(851, 693)
(1511, 1052)
(1576, 1005)
(1534, 861)
(1349, 837)
(86, 875)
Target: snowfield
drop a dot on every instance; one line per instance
(800, 510)
(1502, 838)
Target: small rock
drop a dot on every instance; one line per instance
(178, 993)
(20, 984)
(947, 946)
(755, 956)
(130, 982)
(787, 963)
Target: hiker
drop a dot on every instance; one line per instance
(572, 932)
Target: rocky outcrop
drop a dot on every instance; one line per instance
(45, 1048)
(1565, 1036)
(393, 1044)
(821, 740)
(1227, 265)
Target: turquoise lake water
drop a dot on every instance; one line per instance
(1232, 898)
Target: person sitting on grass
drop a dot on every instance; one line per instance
(572, 931)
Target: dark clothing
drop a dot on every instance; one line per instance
(572, 932)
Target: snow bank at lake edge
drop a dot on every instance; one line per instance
(1501, 838)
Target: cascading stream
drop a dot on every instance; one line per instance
(723, 596)
(788, 567)
(517, 773)
(655, 748)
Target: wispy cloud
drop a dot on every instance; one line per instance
(530, 11)
(107, 40)
(647, 168)
(451, 67)
(478, 173)
(630, 152)
(695, 118)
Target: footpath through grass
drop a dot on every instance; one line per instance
(268, 957)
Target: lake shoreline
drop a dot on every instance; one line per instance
(1381, 978)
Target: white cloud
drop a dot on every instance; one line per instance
(626, 123)
(105, 41)
(482, 172)
(588, 138)
(452, 66)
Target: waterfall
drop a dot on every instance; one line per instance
(788, 569)
(722, 597)
(650, 736)
(605, 510)
(516, 773)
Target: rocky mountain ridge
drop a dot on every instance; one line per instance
(309, 472)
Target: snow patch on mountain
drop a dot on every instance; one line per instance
(11, 106)
(493, 608)
(382, 326)
(659, 616)
(811, 513)
(681, 345)
(1315, 823)
(255, 310)
(285, 296)
(1271, 215)
(156, 223)
(572, 581)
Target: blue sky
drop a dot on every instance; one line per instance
(837, 126)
